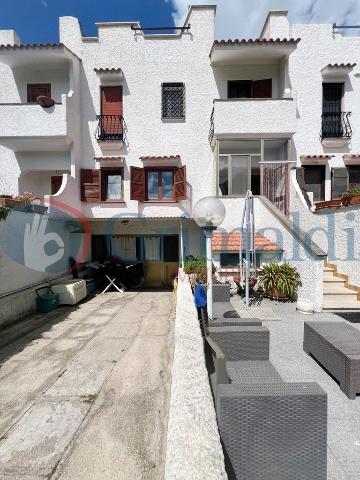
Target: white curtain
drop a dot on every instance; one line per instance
(124, 247)
(152, 248)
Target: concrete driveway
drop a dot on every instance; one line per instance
(85, 393)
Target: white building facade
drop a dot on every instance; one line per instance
(144, 125)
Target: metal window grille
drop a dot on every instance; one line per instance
(173, 100)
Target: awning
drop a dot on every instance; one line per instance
(249, 51)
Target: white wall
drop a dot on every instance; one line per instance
(146, 63)
(192, 415)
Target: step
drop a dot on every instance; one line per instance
(340, 302)
(332, 279)
(337, 289)
(328, 269)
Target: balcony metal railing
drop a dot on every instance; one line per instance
(109, 128)
(336, 125)
(212, 126)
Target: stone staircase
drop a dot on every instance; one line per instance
(339, 296)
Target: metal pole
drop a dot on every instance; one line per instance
(241, 243)
(181, 244)
(248, 247)
(253, 246)
(208, 235)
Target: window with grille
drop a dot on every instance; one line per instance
(173, 100)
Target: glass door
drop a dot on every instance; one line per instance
(240, 178)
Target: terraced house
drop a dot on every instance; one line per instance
(143, 124)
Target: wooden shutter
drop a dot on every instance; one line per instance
(90, 185)
(180, 183)
(111, 100)
(137, 184)
(111, 108)
(262, 88)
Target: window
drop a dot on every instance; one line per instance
(332, 106)
(354, 174)
(171, 248)
(339, 181)
(240, 162)
(173, 100)
(56, 181)
(314, 179)
(35, 90)
(250, 88)
(231, 259)
(111, 185)
(159, 184)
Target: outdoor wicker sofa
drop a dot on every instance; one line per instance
(269, 429)
(336, 346)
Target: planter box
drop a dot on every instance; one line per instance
(336, 203)
(31, 208)
(6, 201)
(355, 200)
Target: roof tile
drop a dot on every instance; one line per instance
(230, 242)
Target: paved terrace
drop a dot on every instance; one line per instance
(84, 394)
(294, 365)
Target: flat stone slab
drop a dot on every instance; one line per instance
(34, 446)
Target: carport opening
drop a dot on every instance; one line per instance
(159, 254)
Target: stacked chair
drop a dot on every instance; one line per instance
(270, 429)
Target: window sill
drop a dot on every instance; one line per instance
(122, 202)
(160, 201)
(173, 120)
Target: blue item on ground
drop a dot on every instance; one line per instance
(199, 295)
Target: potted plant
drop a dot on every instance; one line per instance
(26, 203)
(197, 266)
(355, 194)
(4, 212)
(280, 281)
(346, 198)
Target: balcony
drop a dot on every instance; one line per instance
(110, 128)
(335, 128)
(246, 118)
(25, 126)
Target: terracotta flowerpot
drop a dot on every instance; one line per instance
(275, 294)
(45, 102)
(329, 204)
(346, 201)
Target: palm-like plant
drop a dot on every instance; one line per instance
(280, 280)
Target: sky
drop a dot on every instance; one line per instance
(36, 21)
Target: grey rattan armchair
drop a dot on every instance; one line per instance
(273, 431)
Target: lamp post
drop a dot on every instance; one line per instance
(209, 213)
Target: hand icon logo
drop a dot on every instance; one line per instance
(35, 240)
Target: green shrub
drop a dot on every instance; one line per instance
(197, 265)
(283, 278)
(4, 212)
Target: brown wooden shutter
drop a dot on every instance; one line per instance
(137, 184)
(180, 183)
(111, 108)
(90, 185)
(262, 88)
